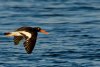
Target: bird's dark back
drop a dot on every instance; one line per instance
(28, 29)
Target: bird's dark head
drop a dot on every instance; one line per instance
(38, 29)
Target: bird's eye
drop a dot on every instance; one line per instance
(38, 28)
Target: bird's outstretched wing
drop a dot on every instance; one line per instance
(17, 39)
(29, 45)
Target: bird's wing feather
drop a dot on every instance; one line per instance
(17, 39)
(29, 44)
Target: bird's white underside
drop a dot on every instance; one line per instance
(18, 33)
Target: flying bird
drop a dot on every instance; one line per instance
(27, 33)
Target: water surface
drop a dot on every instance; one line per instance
(73, 27)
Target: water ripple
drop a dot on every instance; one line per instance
(73, 39)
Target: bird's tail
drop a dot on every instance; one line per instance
(7, 34)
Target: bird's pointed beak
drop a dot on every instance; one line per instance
(43, 31)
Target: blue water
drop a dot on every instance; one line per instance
(74, 33)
